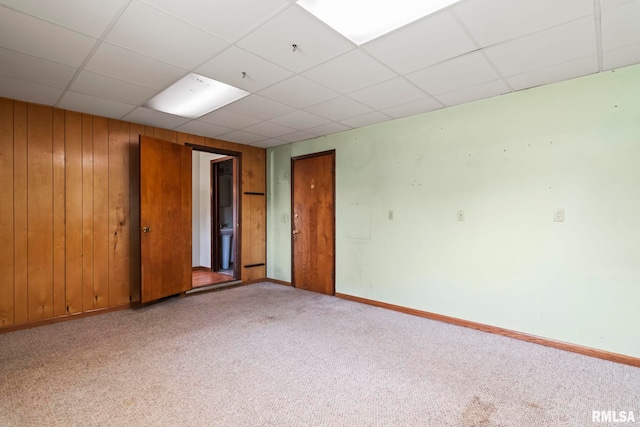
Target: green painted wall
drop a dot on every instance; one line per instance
(508, 162)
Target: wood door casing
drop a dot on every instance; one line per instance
(215, 215)
(165, 208)
(313, 222)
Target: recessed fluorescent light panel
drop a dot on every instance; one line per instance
(194, 96)
(364, 20)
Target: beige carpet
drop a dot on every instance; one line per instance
(269, 355)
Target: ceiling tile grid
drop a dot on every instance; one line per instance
(243, 137)
(458, 73)
(474, 93)
(26, 34)
(388, 94)
(300, 120)
(339, 108)
(554, 46)
(495, 21)
(122, 64)
(100, 107)
(314, 41)
(88, 17)
(223, 117)
(148, 31)
(36, 70)
(269, 129)
(159, 119)
(227, 19)
(242, 69)
(29, 91)
(198, 127)
(298, 92)
(434, 39)
(306, 80)
(112, 89)
(620, 28)
(350, 72)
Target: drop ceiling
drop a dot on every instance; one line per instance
(108, 57)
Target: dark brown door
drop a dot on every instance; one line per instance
(165, 212)
(313, 222)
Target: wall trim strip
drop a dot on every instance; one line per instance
(574, 348)
(278, 282)
(64, 318)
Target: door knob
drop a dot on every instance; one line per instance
(296, 231)
(146, 229)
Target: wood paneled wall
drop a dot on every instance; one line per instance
(69, 211)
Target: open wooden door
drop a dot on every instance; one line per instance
(165, 214)
(313, 222)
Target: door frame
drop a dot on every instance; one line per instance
(237, 191)
(332, 153)
(215, 219)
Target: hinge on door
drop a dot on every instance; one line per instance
(332, 275)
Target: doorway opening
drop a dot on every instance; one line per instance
(215, 222)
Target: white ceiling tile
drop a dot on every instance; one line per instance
(300, 120)
(159, 119)
(196, 127)
(109, 88)
(269, 143)
(122, 64)
(328, 129)
(151, 32)
(89, 17)
(316, 42)
(298, 92)
(43, 39)
(90, 104)
(268, 129)
(242, 137)
(366, 120)
(610, 4)
(620, 26)
(228, 67)
(297, 136)
(435, 39)
(228, 19)
(458, 73)
(223, 117)
(28, 91)
(622, 57)
(388, 94)
(339, 109)
(350, 72)
(556, 73)
(259, 107)
(25, 67)
(550, 47)
(485, 90)
(413, 108)
(495, 21)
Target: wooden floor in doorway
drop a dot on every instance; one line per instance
(205, 278)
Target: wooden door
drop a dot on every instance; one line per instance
(313, 222)
(165, 212)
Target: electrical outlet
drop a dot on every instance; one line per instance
(460, 215)
(390, 215)
(558, 215)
